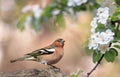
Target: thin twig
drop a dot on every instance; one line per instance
(89, 73)
(117, 28)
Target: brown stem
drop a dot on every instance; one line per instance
(89, 73)
(117, 28)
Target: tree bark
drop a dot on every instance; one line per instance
(47, 72)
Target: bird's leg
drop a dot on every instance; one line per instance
(38, 59)
(41, 61)
(54, 67)
(44, 62)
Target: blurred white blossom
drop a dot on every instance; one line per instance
(37, 11)
(26, 8)
(55, 12)
(71, 3)
(80, 2)
(76, 2)
(28, 21)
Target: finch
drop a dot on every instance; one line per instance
(48, 55)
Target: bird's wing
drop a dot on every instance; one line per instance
(42, 51)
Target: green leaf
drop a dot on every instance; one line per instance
(99, 1)
(64, 1)
(115, 40)
(77, 74)
(79, 8)
(111, 26)
(118, 35)
(117, 2)
(113, 49)
(110, 55)
(93, 1)
(116, 14)
(101, 27)
(61, 1)
(35, 24)
(46, 14)
(93, 6)
(96, 56)
(60, 20)
(21, 22)
(74, 75)
(117, 46)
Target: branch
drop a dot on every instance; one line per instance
(117, 28)
(116, 31)
(89, 73)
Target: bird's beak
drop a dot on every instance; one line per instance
(62, 41)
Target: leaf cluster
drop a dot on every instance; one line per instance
(59, 21)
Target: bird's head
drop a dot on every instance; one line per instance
(59, 42)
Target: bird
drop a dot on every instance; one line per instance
(48, 55)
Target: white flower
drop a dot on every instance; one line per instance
(71, 3)
(101, 40)
(37, 11)
(102, 15)
(92, 30)
(26, 8)
(103, 48)
(106, 37)
(80, 2)
(76, 2)
(94, 41)
(55, 12)
(109, 32)
(94, 24)
(93, 44)
(102, 10)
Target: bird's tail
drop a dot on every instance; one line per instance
(26, 58)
